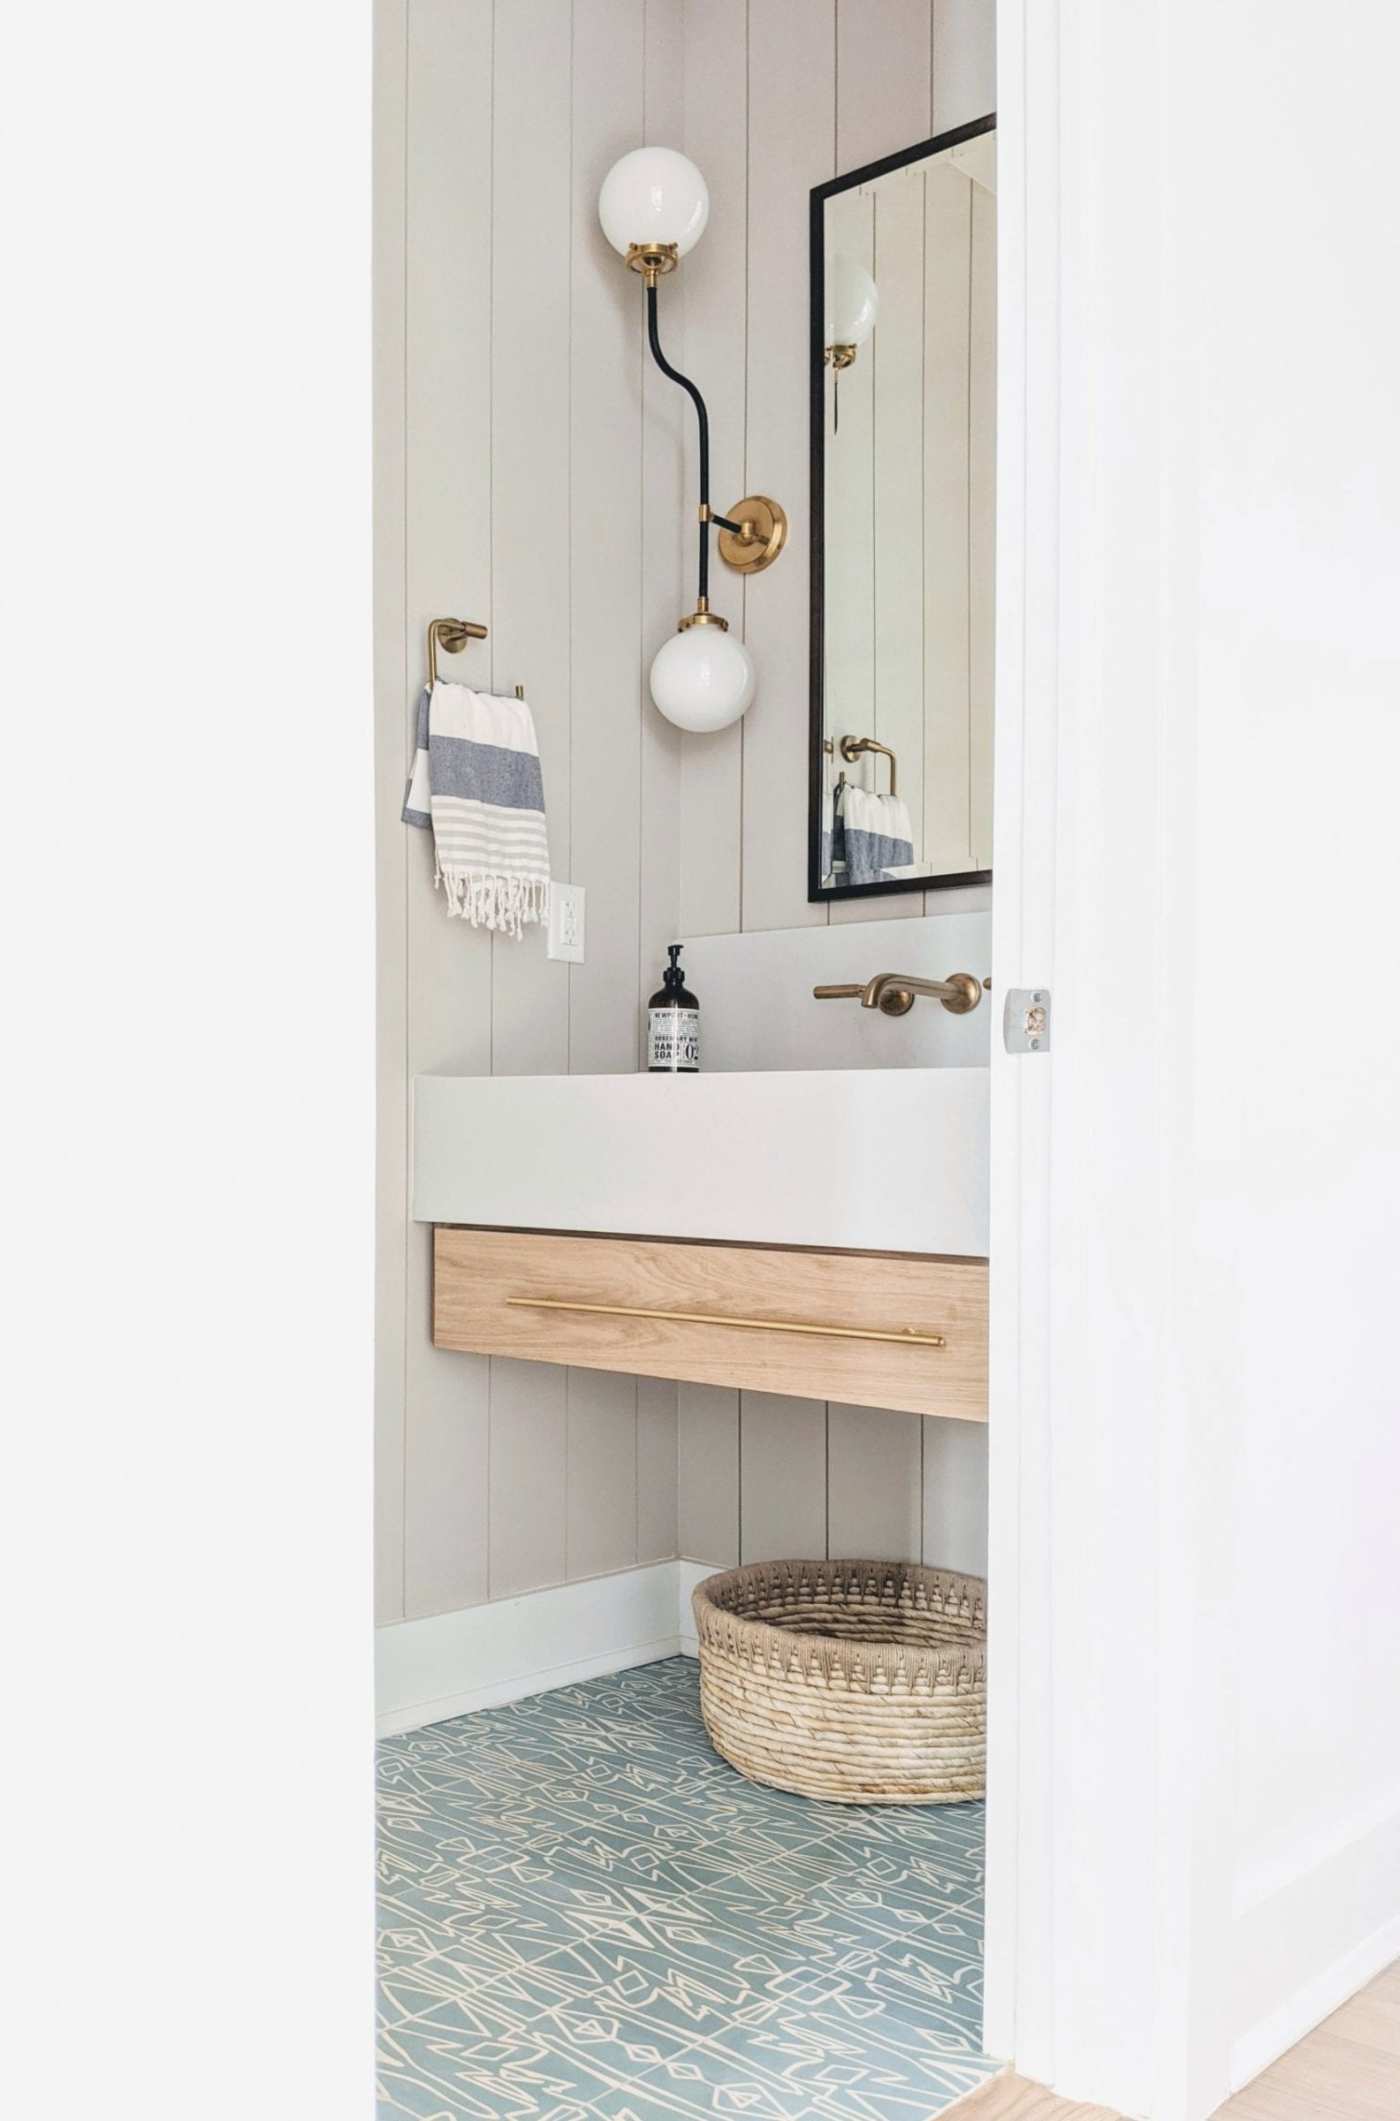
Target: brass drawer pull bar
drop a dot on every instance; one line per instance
(905, 1339)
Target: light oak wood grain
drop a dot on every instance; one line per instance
(1013, 2098)
(482, 1276)
(1348, 2070)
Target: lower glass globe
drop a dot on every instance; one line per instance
(702, 679)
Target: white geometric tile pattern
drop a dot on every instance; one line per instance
(585, 1911)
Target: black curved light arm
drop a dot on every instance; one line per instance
(703, 417)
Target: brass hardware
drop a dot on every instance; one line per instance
(894, 993)
(906, 1338)
(453, 634)
(839, 357)
(704, 511)
(853, 746)
(762, 533)
(520, 692)
(651, 260)
(702, 616)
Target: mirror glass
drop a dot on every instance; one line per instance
(903, 515)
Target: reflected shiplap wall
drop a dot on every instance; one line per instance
(531, 472)
(910, 467)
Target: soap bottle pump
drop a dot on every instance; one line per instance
(673, 1023)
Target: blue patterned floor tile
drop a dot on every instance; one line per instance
(584, 1911)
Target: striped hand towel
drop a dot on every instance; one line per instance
(476, 782)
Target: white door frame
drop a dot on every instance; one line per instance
(1110, 1734)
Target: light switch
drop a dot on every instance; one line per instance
(566, 922)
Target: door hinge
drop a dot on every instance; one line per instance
(1026, 1020)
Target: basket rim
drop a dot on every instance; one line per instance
(850, 1654)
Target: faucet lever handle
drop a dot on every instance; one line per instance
(837, 994)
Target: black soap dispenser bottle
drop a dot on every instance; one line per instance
(673, 1023)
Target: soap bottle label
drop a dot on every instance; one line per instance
(673, 1040)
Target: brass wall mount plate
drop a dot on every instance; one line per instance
(768, 528)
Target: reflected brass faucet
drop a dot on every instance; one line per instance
(894, 992)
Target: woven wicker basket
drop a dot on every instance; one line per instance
(859, 1681)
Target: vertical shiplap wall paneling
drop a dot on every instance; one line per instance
(712, 284)
(515, 484)
(955, 1496)
(668, 547)
(390, 694)
(448, 570)
(964, 62)
(849, 632)
(783, 1478)
(606, 511)
(955, 1453)
(792, 102)
(947, 281)
(605, 490)
(875, 1462)
(792, 99)
(899, 491)
(882, 104)
(982, 517)
(668, 536)
(707, 1475)
(828, 86)
(715, 296)
(532, 287)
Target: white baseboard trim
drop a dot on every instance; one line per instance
(688, 1574)
(1307, 2008)
(428, 1670)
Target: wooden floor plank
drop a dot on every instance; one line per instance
(1347, 2070)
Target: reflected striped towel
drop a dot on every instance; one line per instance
(878, 835)
(476, 782)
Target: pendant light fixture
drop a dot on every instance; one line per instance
(653, 207)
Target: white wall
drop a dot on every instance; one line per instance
(518, 484)
(1195, 1727)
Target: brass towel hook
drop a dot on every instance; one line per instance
(454, 635)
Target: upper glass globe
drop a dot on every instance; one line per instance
(852, 302)
(653, 196)
(702, 679)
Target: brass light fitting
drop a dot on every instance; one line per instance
(653, 259)
(839, 357)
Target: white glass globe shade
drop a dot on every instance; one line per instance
(852, 302)
(654, 196)
(702, 679)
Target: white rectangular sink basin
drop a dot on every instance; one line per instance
(871, 1160)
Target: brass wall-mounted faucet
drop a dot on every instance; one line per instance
(894, 992)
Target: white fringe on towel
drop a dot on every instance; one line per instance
(507, 903)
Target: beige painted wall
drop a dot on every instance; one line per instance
(532, 473)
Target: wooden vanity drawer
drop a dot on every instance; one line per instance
(872, 1329)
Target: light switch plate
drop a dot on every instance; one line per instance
(566, 923)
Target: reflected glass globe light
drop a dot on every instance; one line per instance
(651, 197)
(852, 302)
(702, 678)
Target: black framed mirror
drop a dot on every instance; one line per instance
(903, 513)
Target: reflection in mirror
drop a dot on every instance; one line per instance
(903, 513)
